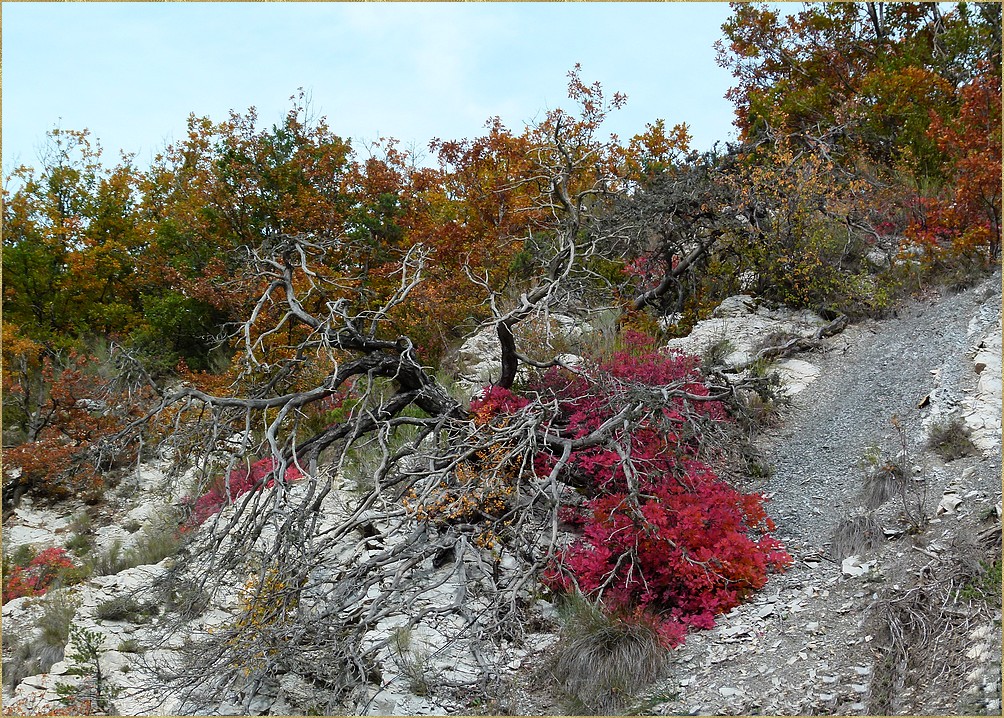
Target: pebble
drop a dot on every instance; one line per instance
(765, 611)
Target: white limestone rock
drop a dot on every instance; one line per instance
(39, 527)
(745, 325)
(796, 374)
(983, 408)
(479, 357)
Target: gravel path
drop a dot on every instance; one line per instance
(808, 642)
(869, 373)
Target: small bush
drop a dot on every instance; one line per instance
(51, 567)
(125, 608)
(111, 561)
(80, 544)
(130, 645)
(603, 659)
(760, 406)
(950, 440)
(81, 523)
(714, 354)
(57, 615)
(28, 657)
(986, 585)
(654, 522)
(156, 543)
(413, 663)
(887, 477)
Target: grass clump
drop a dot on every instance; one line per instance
(855, 535)
(602, 659)
(413, 663)
(715, 354)
(35, 652)
(126, 608)
(883, 477)
(155, 543)
(949, 439)
(130, 645)
(985, 585)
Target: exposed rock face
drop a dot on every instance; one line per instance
(796, 374)
(34, 526)
(983, 407)
(974, 393)
(747, 327)
(479, 357)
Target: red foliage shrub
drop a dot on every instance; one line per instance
(495, 400)
(966, 216)
(67, 412)
(37, 576)
(239, 482)
(661, 534)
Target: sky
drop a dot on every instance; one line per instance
(131, 73)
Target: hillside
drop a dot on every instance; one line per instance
(815, 640)
(549, 420)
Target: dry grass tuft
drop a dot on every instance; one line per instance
(603, 660)
(856, 535)
(950, 440)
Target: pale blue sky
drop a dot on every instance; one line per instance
(132, 72)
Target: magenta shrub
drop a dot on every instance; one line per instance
(240, 481)
(670, 541)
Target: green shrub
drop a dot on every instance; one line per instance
(714, 354)
(57, 615)
(80, 544)
(949, 439)
(94, 686)
(130, 645)
(986, 585)
(125, 608)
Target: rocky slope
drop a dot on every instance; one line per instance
(828, 636)
(815, 640)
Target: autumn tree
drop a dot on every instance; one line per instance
(872, 88)
(71, 238)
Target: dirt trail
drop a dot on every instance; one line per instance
(871, 372)
(808, 643)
